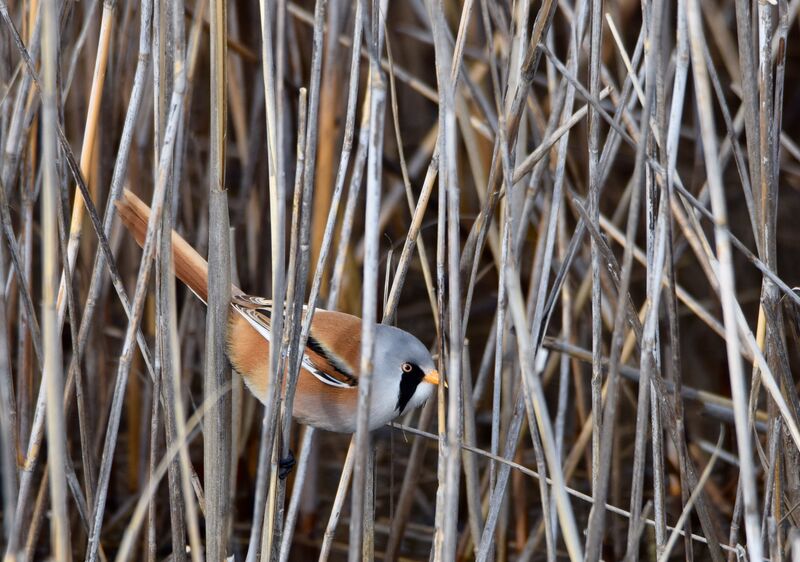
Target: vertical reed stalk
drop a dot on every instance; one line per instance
(217, 429)
(52, 370)
(369, 314)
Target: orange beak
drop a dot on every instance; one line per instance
(433, 378)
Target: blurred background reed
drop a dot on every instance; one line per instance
(585, 208)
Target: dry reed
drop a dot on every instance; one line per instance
(584, 207)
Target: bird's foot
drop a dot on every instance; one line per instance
(285, 465)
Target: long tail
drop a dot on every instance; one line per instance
(190, 267)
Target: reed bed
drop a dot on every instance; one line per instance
(584, 207)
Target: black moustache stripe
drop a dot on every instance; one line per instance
(408, 386)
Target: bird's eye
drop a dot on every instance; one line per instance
(407, 367)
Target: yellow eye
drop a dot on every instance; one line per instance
(407, 367)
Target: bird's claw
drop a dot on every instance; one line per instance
(285, 465)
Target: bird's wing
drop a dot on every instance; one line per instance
(257, 311)
(335, 345)
(317, 358)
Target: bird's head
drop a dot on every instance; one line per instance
(405, 374)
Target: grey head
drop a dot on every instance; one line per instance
(404, 374)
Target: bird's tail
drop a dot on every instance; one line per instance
(190, 267)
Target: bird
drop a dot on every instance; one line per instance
(326, 396)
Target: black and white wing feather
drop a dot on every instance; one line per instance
(258, 313)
